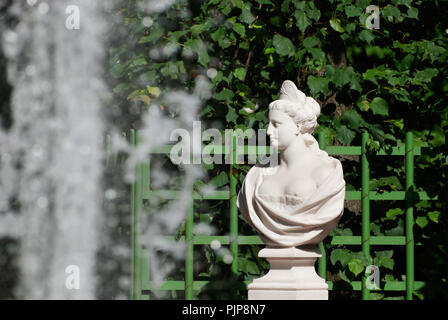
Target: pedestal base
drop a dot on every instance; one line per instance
(292, 276)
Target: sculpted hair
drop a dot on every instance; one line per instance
(302, 109)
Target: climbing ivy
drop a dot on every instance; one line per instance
(383, 81)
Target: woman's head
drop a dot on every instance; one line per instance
(303, 110)
(291, 115)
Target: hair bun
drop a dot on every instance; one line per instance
(302, 109)
(290, 92)
(313, 105)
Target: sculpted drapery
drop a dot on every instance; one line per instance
(291, 221)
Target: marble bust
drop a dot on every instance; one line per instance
(294, 204)
(299, 201)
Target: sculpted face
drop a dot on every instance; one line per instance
(281, 130)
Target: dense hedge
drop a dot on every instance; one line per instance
(384, 81)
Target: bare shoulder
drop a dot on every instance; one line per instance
(322, 168)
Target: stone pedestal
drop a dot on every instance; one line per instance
(292, 276)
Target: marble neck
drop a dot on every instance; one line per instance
(294, 152)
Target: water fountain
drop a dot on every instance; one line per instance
(51, 158)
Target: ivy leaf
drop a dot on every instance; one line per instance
(391, 11)
(121, 87)
(247, 266)
(356, 266)
(266, 2)
(393, 213)
(397, 231)
(376, 229)
(139, 95)
(363, 105)
(345, 135)
(421, 222)
(239, 28)
(352, 11)
(240, 73)
(413, 13)
(336, 25)
(156, 32)
(283, 46)
(352, 118)
(224, 95)
(390, 182)
(244, 45)
(265, 74)
(170, 69)
(360, 256)
(401, 95)
(434, 216)
(384, 259)
(238, 3)
(342, 274)
(379, 106)
(145, 99)
(389, 277)
(339, 76)
(342, 232)
(384, 253)
(140, 61)
(246, 15)
(174, 36)
(220, 180)
(341, 255)
(314, 14)
(355, 83)
(310, 42)
(218, 34)
(425, 75)
(231, 115)
(197, 46)
(434, 50)
(302, 21)
(366, 35)
(317, 54)
(285, 5)
(317, 85)
(155, 91)
(197, 29)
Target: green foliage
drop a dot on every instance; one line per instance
(385, 82)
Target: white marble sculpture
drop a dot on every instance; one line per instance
(294, 205)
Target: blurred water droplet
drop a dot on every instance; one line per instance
(30, 70)
(211, 73)
(147, 21)
(215, 244)
(228, 259)
(42, 202)
(43, 8)
(154, 53)
(10, 36)
(110, 194)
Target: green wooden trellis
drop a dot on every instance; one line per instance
(141, 190)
